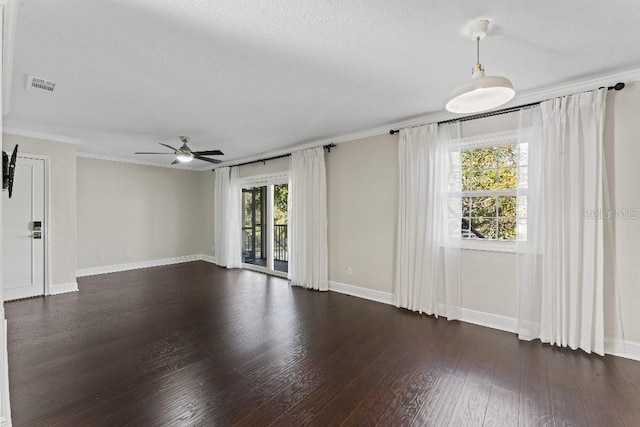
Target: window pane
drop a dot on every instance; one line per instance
(523, 177)
(466, 207)
(485, 226)
(483, 207)
(484, 158)
(523, 154)
(507, 206)
(488, 180)
(466, 232)
(455, 160)
(482, 180)
(507, 156)
(455, 183)
(467, 162)
(247, 208)
(280, 195)
(468, 180)
(522, 207)
(506, 229)
(522, 229)
(491, 170)
(258, 208)
(507, 179)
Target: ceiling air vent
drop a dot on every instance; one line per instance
(38, 83)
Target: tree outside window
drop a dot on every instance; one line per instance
(491, 177)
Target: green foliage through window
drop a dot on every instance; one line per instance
(490, 208)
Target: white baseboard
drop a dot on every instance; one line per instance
(208, 258)
(489, 320)
(63, 288)
(92, 271)
(357, 291)
(626, 349)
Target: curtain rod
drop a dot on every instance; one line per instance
(327, 147)
(618, 86)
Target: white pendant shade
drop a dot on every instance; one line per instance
(480, 94)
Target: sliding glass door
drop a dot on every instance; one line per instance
(280, 228)
(265, 228)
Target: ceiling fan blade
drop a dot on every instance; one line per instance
(141, 152)
(209, 153)
(207, 159)
(168, 146)
(174, 162)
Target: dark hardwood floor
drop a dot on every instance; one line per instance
(193, 344)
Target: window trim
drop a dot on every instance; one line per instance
(264, 179)
(482, 141)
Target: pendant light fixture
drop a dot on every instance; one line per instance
(482, 92)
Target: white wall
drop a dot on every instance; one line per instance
(362, 200)
(131, 213)
(362, 193)
(261, 168)
(362, 185)
(622, 132)
(62, 198)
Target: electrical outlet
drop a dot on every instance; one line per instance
(349, 271)
(128, 254)
(100, 255)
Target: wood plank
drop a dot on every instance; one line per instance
(194, 344)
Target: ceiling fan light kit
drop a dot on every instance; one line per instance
(185, 155)
(482, 92)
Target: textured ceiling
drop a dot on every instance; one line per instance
(249, 77)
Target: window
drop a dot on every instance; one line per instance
(494, 182)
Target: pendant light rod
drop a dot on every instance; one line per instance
(617, 87)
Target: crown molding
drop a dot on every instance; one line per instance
(536, 95)
(108, 158)
(40, 135)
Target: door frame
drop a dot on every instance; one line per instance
(47, 217)
(267, 180)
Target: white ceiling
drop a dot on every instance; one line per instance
(255, 76)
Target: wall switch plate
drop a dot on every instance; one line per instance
(349, 271)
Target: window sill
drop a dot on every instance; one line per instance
(490, 246)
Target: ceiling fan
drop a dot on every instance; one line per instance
(185, 155)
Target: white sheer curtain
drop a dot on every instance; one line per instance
(234, 220)
(227, 221)
(561, 267)
(427, 276)
(307, 205)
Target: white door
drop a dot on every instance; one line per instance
(23, 246)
